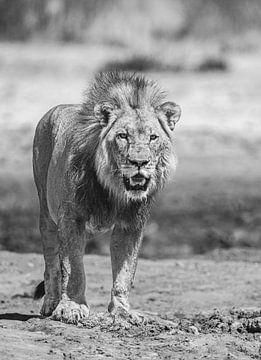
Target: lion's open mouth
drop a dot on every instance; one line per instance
(136, 182)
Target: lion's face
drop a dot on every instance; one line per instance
(139, 145)
(137, 151)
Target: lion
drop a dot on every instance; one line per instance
(98, 166)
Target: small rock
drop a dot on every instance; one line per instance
(230, 357)
(194, 330)
(236, 325)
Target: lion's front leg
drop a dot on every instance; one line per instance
(125, 245)
(72, 306)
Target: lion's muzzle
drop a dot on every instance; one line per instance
(136, 182)
(137, 171)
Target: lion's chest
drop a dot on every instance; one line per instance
(94, 224)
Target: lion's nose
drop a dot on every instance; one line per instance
(139, 163)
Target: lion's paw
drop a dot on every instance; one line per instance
(70, 312)
(130, 316)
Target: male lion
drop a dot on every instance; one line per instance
(98, 166)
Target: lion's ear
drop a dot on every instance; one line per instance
(103, 112)
(172, 113)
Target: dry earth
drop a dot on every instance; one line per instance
(195, 309)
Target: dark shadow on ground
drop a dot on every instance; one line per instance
(19, 317)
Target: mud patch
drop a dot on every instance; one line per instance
(241, 321)
(148, 327)
(193, 309)
(233, 321)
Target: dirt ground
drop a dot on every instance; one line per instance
(199, 308)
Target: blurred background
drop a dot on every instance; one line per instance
(205, 53)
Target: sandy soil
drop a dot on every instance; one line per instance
(199, 308)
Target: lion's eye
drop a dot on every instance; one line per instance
(153, 137)
(122, 136)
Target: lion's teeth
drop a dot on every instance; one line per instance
(134, 181)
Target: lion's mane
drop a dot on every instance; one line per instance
(91, 196)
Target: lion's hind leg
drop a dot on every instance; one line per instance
(52, 274)
(72, 306)
(42, 152)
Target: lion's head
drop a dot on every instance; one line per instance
(130, 132)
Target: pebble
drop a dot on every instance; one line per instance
(194, 330)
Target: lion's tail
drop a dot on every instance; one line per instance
(39, 291)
